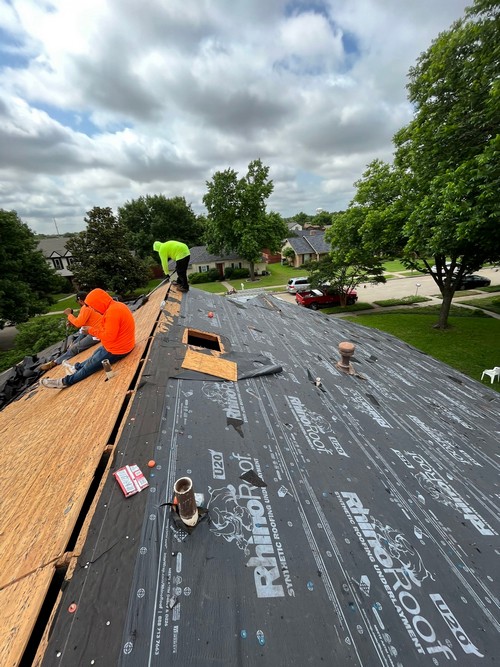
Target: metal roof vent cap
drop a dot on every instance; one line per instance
(346, 350)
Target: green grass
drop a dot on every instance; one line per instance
(213, 288)
(403, 301)
(470, 344)
(486, 303)
(394, 265)
(491, 288)
(68, 302)
(347, 309)
(279, 276)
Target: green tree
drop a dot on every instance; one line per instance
(448, 155)
(302, 218)
(322, 218)
(156, 218)
(102, 257)
(350, 262)
(26, 280)
(237, 219)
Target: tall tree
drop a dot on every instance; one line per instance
(26, 280)
(237, 219)
(156, 218)
(350, 262)
(448, 154)
(102, 257)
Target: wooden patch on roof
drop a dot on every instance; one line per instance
(211, 365)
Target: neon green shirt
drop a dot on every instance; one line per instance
(170, 250)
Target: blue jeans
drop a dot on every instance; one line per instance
(92, 365)
(82, 342)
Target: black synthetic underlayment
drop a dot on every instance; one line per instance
(374, 542)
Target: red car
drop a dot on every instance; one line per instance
(323, 298)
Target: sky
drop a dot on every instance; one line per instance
(104, 101)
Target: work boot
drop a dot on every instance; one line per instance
(48, 365)
(52, 383)
(183, 289)
(69, 368)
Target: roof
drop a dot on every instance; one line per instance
(200, 255)
(54, 246)
(312, 242)
(346, 516)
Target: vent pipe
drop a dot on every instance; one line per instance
(184, 492)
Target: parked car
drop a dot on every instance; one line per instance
(473, 281)
(323, 298)
(434, 268)
(295, 285)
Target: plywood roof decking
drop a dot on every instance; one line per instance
(52, 442)
(374, 540)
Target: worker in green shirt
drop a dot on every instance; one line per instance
(180, 253)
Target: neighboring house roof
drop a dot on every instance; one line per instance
(310, 243)
(200, 255)
(348, 517)
(55, 246)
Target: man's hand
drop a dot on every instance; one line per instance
(85, 330)
(68, 311)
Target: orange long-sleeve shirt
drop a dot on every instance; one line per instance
(116, 329)
(86, 317)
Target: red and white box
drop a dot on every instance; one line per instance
(131, 480)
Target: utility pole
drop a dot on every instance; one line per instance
(57, 230)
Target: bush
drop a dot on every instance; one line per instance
(207, 277)
(33, 337)
(237, 273)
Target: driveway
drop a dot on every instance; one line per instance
(7, 335)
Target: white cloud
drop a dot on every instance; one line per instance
(107, 100)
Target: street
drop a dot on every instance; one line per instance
(396, 288)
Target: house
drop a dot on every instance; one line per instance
(56, 255)
(346, 507)
(294, 226)
(202, 261)
(307, 246)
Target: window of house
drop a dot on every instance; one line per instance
(57, 262)
(70, 260)
(204, 269)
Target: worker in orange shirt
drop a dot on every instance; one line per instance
(116, 331)
(86, 317)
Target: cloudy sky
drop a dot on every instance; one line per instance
(107, 100)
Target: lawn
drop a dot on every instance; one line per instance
(486, 303)
(470, 344)
(279, 276)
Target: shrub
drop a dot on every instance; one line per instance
(207, 277)
(239, 273)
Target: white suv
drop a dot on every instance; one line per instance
(295, 285)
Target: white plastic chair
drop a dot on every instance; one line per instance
(492, 373)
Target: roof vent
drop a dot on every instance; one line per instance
(346, 350)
